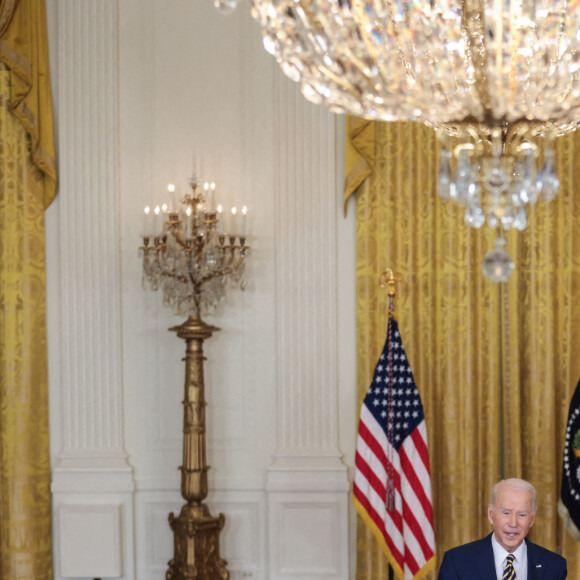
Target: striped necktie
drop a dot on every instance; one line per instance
(509, 572)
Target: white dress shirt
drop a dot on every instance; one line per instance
(500, 558)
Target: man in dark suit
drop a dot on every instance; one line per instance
(505, 553)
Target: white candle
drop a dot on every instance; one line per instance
(244, 212)
(220, 218)
(206, 195)
(233, 227)
(157, 211)
(212, 196)
(171, 190)
(164, 216)
(188, 223)
(147, 218)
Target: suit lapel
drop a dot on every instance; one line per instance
(486, 565)
(535, 567)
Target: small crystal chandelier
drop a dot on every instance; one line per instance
(190, 253)
(494, 78)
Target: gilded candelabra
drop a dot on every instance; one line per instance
(187, 254)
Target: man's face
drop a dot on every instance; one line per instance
(512, 516)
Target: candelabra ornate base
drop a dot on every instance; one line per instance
(195, 532)
(196, 544)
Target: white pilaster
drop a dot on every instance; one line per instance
(307, 483)
(92, 480)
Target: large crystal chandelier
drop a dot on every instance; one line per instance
(491, 76)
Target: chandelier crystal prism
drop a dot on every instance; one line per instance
(492, 77)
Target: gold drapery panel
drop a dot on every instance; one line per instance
(25, 544)
(24, 50)
(542, 320)
(27, 186)
(495, 364)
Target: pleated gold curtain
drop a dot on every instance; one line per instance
(495, 365)
(27, 185)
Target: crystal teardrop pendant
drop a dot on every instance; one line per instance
(521, 219)
(464, 179)
(497, 265)
(444, 180)
(474, 216)
(496, 178)
(548, 182)
(508, 216)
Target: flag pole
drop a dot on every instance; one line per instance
(387, 278)
(392, 460)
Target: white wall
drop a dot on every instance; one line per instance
(140, 88)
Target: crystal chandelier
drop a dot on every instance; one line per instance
(494, 78)
(191, 254)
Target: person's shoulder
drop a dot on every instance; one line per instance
(474, 546)
(461, 561)
(544, 553)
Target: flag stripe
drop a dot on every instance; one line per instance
(419, 437)
(415, 484)
(379, 466)
(393, 545)
(392, 482)
(377, 493)
(417, 530)
(370, 476)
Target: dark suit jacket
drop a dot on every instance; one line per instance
(474, 561)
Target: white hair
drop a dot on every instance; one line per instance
(518, 484)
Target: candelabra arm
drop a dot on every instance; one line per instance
(177, 235)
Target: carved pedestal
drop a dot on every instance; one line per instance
(195, 532)
(196, 545)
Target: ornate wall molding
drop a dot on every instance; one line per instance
(90, 467)
(307, 483)
(306, 276)
(88, 234)
(290, 167)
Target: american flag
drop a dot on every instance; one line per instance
(392, 483)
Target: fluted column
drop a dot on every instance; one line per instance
(90, 467)
(307, 461)
(306, 267)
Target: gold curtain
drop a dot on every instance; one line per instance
(495, 364)
(27, 185)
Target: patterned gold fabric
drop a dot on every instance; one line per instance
(24, 50)
(25, 546)
(496, 365)
(27, 185)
